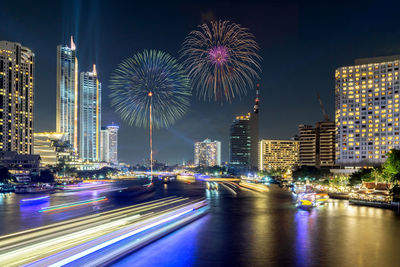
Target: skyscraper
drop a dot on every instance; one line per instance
(109, 144)
(308, 145)
(367, 111)
(16, 97)
(240, 142)
(244, 139)
(90, 116)
(113, 143)
(326, 136)
(317, 144)
(207, 153)
(104, 145)
(67, 93)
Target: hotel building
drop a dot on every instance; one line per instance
(16, 98)
(278, 154)
(207, 153)
(67, 93)
(90, 116)
(367, 111)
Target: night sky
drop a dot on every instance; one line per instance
(301, 44)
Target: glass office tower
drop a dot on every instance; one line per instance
(90, 116)
(67, 93)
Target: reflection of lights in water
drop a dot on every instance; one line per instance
(72, 205)
(211, 193)
(178, 249)
(208, 194)
(304, 221)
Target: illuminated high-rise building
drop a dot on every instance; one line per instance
(67, 93)
(317, 144)
(104, 144)
(278, 154)
(367, 111)
(109, 144)
(207, 153)
(244, 139)
(113, 143)
(16, 97)
(308, 145)
(90, 116)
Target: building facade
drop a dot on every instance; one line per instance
(19, 164)
(113, 143)
(367, 111)
(307, 145)
(47, 147)
(243, 143)
(67, 93)
(16, 97)
(90, 116)
(317, 144)
(104, 145)
(240, 142)
(109, 144)
(278, 154)
(207, 153)
(326, 143)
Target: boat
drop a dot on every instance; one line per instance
(321, 198)
(7, 188)
(306, 200)
(33, 188)
(36, 200)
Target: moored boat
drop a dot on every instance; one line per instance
(321, 198)
(306, 200)
(33, 188)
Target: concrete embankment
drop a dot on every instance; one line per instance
(376, 204)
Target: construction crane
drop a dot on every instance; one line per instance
(326, 116)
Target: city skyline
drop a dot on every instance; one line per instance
(301, 49)
(130, 129)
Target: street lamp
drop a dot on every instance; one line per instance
(151, 138)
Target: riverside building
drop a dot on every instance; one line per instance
(278, 154)
(67, 93)
(317, 144)
(16, 97)
(243, 145)
(90, 116)
(367, 111)
(207, 153)
(109, 144)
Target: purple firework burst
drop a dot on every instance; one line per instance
(222, 60)
(219, 55)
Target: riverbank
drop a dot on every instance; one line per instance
(343, 196)
(383, 205)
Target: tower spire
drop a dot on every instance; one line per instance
(73, 46)
(257, 99)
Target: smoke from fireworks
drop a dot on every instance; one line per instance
(222, 60)
(150, 76)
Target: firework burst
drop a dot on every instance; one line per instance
(150, 78)
(222, 60)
